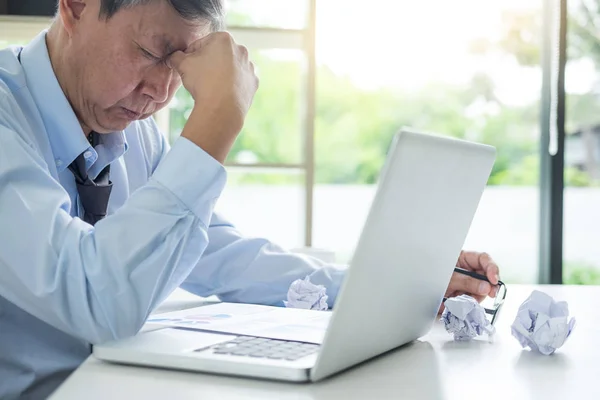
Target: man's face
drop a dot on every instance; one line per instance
(119, 65)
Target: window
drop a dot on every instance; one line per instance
(287, 14)
(269, 190)
(442, 71)
(581, 257)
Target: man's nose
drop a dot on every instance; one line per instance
(156, 83)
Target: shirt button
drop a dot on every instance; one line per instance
(87, 154)
(58, 163)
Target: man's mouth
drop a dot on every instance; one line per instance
(130, 113)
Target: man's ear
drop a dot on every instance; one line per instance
(70, 12)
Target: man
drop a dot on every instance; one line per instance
(99, 220)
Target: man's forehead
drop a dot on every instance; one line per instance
(179, 39)
(169, 34)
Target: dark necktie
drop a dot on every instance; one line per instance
(93, 193)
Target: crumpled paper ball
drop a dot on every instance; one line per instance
(542, 324)
(464, 317)
(304, 294)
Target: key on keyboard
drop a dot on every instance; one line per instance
(249, 346)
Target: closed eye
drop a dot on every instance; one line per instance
(149, 55)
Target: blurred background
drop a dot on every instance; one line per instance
(340, 77)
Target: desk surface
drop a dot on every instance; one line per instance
(434, 367)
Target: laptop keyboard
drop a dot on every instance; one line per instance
(249, 346)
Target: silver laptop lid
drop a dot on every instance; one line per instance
(427, 195)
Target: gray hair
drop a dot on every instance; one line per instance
(211, 10)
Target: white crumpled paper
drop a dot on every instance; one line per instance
(464, 317)
(542, 324)
(304, 294)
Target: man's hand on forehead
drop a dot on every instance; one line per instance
(221, 79)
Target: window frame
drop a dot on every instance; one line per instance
(552, 142)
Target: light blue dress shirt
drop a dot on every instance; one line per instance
(65, 284)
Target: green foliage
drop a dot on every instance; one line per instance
(522, 36)
(582, 111)
(527, 172)
(584, 30)
(580, 273)
(354, 126)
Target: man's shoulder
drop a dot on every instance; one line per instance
(12, 77)
(15, 110)
(12, 81)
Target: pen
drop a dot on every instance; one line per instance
(472, 274)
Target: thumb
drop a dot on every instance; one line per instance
(174, 61)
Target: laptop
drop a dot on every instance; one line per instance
(427, 195)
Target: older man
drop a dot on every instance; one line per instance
(99, 220)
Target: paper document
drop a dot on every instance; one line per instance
(465, 318)
(542, 323)
(304, 294)
(252, 320)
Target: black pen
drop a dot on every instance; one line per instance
(472, 274)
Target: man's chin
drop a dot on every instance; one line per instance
(113, 126)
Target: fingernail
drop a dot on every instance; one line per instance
(484, 288)
(497, 277)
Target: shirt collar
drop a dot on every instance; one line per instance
(64, 131)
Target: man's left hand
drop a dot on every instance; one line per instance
(480, 263)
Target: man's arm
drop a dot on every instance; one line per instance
(100, 283)
(242, 269)
(236, 268)
(254, 270)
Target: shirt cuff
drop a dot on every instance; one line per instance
(193, 176)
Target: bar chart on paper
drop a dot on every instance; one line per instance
(252, 320)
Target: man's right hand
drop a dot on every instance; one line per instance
(221, 79)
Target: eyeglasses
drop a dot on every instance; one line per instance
(493, 310)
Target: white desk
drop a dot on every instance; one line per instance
(435, 367)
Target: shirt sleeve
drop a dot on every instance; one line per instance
(241, 269)
(237, 268)
(100, 283)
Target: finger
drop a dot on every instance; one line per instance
(243, 50)
(198, 44)
(494, 291)
(489, 267)
(174, 60)
(476, 261)
(464, 283)
(477, 297)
